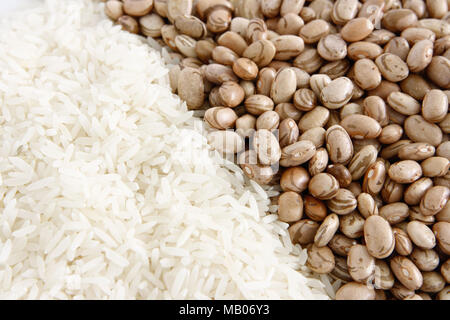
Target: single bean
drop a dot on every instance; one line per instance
(295, 179)
(290, 207)
(191, 88)
(318, 163)
(406, 171)
(288, 111)
(305, 99)
(256, 30)
(231, 94)
(341, 244)
(361, 265)
(314, 30)
(337, 69)
(367, 75)
(390, 134)
(284, 86)
(378, 236)
(361, 127)
(297, 153)
(219, 19)
(218, 74)
(417, 190)
(261, 52)
(380, 37)
(309, 60)
(425, 259)
(191, 26)
(289, 24)
(288, 132)
(339, 145)
(433, 282)
(373, 10)
(364, 50)
(315, 135)
(442, 232)
(220, 118)
(366, 205)
(392, 191)
(406, 272)
(318, 82)
(416, 215)
(341, 173)
(421, 235)
(245, 125)
(344, 202)
(323, 186)
(383, 276)
(288, 47)
(392, 67)
(355, 291)
(267, 147)
(337, 93)
(326, 230)
(266, 77)
(394, 212)
(224, 55)
(249, 164)
(303, 231)
(445, 270)
(344, 10)
(420, 55)
(130, 24)
(340, 270)
(420, 130)
(416, 151)
(137, 8)
(357, 29)
(403, 103)
(332, 47)
(434, 200)
(399, 19)
(435, 106)
(233, 41)
(314, 208)
(374, 178)
(317, 117)
(320, 259)
(416, 86)
(438, 70)
(245, 69)
(352, 225)
(269, 120)
(114, 9)
(403, 244)
(435, 167)
(226, 142)
(361, 161)
(258, 104)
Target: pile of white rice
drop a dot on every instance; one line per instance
(107, 187)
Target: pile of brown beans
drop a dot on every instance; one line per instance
(350, 99)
